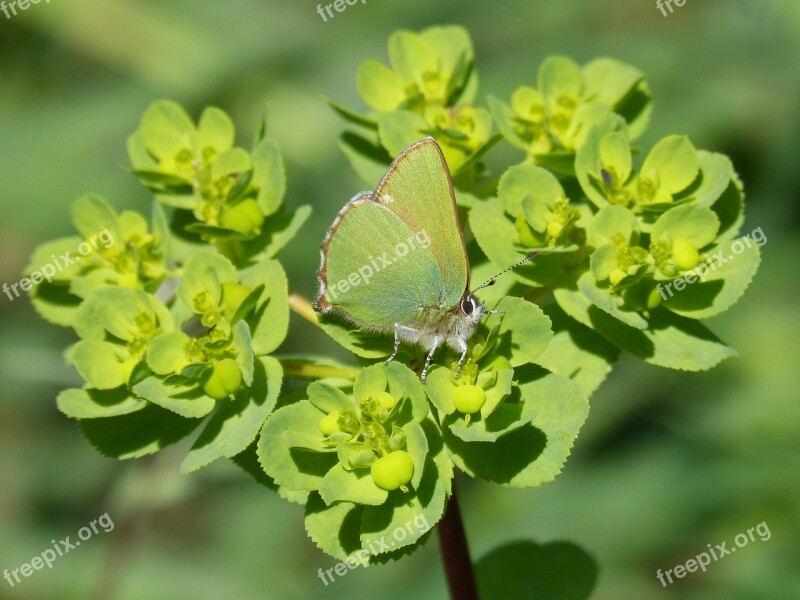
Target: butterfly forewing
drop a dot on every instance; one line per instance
(418, 189)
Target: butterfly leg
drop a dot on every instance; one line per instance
(410, 332)
(436, 341)
(494, 312)
(463, 345)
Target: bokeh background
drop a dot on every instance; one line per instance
(667, 463)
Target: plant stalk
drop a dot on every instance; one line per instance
(455, 553)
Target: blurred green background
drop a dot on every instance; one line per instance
(667, 463)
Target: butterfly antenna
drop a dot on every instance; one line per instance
(493, 280)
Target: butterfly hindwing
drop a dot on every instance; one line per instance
(375, 268)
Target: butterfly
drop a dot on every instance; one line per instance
(394, 260)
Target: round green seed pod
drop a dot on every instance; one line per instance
(329, 424)
(386, 400)
(225, 379)
(469, 398)
(685, 254)
(393, 470)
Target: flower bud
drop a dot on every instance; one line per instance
(225, 379)
(469, 398)
(685, 254)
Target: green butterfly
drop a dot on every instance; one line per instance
(395, 261)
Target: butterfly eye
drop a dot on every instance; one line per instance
(467, 306)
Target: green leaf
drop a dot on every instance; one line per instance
(215, 130)
(185, 399)
(269, 176)
(440, 388)
(102, 365)
(351, 486)
(204, 273)
(233, 161)
(137, 434)
(527, 181)
(94, 404)
(269, 322)
(359, 342)
(166, 129)
(615, 153)
(670, 341)
(610, 221)
(412, 55)
(675, 161)
(698, 224)
(55, 304)
(507, 417)
(293, 468)
(721, 284)
(525, 569)
(370, 383)
(716, 172)
(503, 118)
(334, 529)
(380, 87)
(610, 303)
(351, 116)
(559, 75)
(92, 214)
(399, 129)
(329, 399)
(524, 330)
(404, 383)
(588, 164)
(369, 160)
(535, 453)
(417, 447)
(278, 230)
(577, 352)
(235, 425)
(167, 353)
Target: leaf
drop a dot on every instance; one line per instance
(334, 529)
(609, 221)
(716, 172)
(528, 181)
(55, 304)
(721, 284)
(203, 274)
(215, 130)
(503, 115)
(577, 352)
(615, 154)
(102, 365)
(610, 303)
(559, 75)
(269, 176)
(167, 353)
(295, 469)
(94, 404)
(235, 425)
(698, 224)
(380, 87)
(329, 399)
(507, 417)
(368, 159)
(535, 453)
(404, 383)
(185, 399)
(243, 346)
(49, 256)
(525, 569)
(675, 161)
(166, 129)
(524, 330)
(137, 434)
(412, 56)
(359, 342)
(588, 163)
(278, 230)
(351, 116)
(399, 129)
(670, 341)
(351, 486)
(92, 214)
(269, 322)
(231, 162)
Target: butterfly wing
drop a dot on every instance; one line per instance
(375, 268)
(419, 190)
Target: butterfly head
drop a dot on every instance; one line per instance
(471, 309)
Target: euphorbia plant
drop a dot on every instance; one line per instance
(179, 321)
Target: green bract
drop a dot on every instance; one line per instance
(551, 121)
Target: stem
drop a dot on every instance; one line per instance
(303, 308)
(308, 370)
(455, 553)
